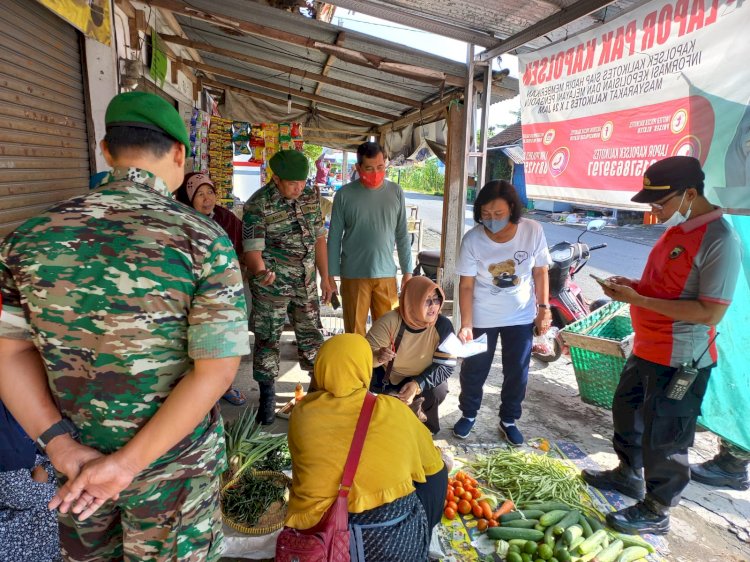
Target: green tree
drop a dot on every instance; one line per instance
(491, 130)
(313, 152)
(425, 179)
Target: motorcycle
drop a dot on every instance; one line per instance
(428, 262)
(566, 299)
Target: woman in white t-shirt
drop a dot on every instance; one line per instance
(504, 293)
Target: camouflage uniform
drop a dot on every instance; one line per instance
(285, 232)
(120, 290)
(735, 450)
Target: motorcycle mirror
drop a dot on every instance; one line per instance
(596, 225)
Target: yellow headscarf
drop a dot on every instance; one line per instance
(398, 449)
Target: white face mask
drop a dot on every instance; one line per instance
(677, 217)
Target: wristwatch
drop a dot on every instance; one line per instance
(543, 305)
(59, 428)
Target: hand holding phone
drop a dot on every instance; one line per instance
(602, 282)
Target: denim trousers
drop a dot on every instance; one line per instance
(515, 349)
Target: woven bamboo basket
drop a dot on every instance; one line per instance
(270, 521)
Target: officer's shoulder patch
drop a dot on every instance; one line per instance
(676, 251)
(275, 217)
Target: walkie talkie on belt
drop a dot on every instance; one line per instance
(685, 376)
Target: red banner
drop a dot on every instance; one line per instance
(668, 77)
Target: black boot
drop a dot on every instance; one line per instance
(266, 413)
(724, 470)
(647, 516)
(622, 479)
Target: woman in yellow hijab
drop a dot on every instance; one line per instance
(400, 482)
(420, 370)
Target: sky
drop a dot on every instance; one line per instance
(500, 113)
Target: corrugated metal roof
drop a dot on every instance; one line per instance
(488, 22)
(412, 79)
(232, 28)
(514, 152)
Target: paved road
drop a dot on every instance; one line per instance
(620, 257)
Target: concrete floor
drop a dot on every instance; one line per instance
(709, 525)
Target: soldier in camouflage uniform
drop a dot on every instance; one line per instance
(124, 321)
(283, 242)
(729, 468)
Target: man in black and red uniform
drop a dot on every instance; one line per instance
(686, 287)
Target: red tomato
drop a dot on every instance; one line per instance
(453, 506)
(464, 507)
(449, 513)
(458, 491)
(482, 525)
(450, 497)
(476, 493)
(477, 511)
(492, 523)
(467, 496)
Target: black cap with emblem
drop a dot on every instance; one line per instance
(675, 173)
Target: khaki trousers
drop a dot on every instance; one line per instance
(362, 296)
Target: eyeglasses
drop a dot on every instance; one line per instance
(660, 206)
(429, 302)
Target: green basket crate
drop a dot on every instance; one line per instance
(599, 345)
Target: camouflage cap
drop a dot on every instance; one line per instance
(290, 165)
(147, 111)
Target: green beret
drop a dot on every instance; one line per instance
(290, 165)
(147, 111)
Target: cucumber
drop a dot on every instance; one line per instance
(512, 556)
(590, 555)
(595, 523)
(572, 533)
(544, 552)
(610, 553)
(632, 553)
(552, 517)
(521, 523)
(634, 540)
(576, 543)
(549, 538)
(562, 555)
(590, 544)
(508, 533)
(545, 506)
(520, 543)
(525, 514)
(539, 527)
(583, 522)
(570, 519)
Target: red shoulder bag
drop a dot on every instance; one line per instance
(328, 541)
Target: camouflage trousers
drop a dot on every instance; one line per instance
(271, 305)
(157, 521)
(734, 450)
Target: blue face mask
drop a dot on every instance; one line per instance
(496, 225)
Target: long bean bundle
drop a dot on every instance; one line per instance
(524, 477)
(247, 500)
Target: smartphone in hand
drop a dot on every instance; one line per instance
(602, 282)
